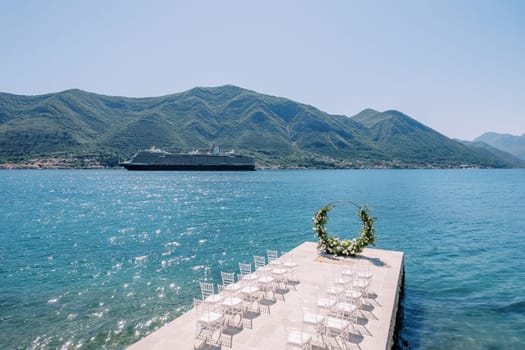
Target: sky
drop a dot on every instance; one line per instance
(456, 66)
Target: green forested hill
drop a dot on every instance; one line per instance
(408, 141)
(277, 131)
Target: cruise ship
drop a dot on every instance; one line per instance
(156, 159)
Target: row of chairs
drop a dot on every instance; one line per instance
(332, 316)
(234, 297)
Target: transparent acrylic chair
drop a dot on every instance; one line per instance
(348, 269)
(296, 336)
(361, 284)
(228, 282)
(336, 330)
(348, 311)
(341, 277)
(362, 280)
(290, 264)
(232, 306)
(265, 281)
(250, 292)
(313, 319)
(363, 270)
(332, 288)
(325, 301)
(260, 264)
(209, 296)
(209, 323)
(273, 257)
(280, 276)
(246, 273)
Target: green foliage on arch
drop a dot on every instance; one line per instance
(346, 247)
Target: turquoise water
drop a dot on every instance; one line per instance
(99, 259)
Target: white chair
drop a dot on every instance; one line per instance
(250, 295)
(260, 264)
(280, 275)
(209, 296)
(250, 292)
(246, 272)
(273, 257)
(208, 322)
(232, 305)
(290, 264)
(267, 285)
(228, 281)
(266, 281)
(296, 337)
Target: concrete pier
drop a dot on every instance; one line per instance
(375, 327)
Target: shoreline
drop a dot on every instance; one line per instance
(97, 166)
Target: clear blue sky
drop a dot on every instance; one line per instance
(456, 66)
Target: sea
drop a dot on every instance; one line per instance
(98, 259)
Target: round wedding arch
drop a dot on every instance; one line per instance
(347, 247)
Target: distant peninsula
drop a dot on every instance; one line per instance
(79, 129)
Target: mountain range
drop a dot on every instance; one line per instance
(512, 144)
(80, 126)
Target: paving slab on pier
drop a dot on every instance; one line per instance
(266, 330)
